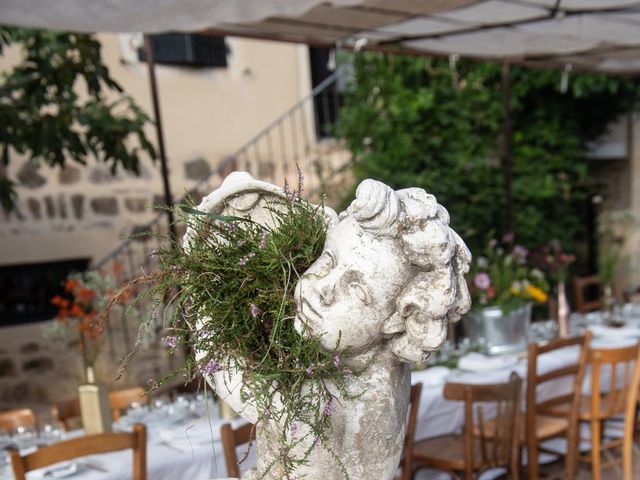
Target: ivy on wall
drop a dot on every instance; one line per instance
(437, 124)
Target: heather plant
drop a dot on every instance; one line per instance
(231, 292)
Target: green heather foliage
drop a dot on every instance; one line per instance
(60, 103)
(436, 124)
(233, 298)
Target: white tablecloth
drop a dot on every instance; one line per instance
(190, 450)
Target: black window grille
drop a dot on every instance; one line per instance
(26, 290)
(190, 50)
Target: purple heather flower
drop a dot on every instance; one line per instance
(293, 429)
(255, 311)
(508, 237)
(171, 341)
(327, 409)
(263, 239)
(482, 281)
(336, 360)
(309, 370)
(212, 367)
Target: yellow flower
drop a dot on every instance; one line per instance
(536, 293)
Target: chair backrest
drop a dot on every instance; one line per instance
(562, 398)
(65, 411)
(120, 400)
(494, 427)
(232, 438)
(21, 417)
(622, 366)
(409, 438)
(582, 286)
(87, 445)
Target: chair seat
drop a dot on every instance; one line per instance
(546, 427)
(445, 452)
(549, 427)
(585, 414)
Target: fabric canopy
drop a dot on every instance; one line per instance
(602, 35)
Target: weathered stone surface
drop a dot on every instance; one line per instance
(62, 206)
(29, 177)
(68, 175)
(77, 205)
(102, 174)
(49, 206)
(38, 364)
(104, 205)
(35, 208)
(136, 204)
(7, 368)
(16, 393)
(30, 347)
(196, 169)
(404, 267)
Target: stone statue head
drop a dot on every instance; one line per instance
(392, 272)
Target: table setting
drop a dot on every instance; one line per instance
(183, 442)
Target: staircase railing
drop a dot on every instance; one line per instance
(300, 138)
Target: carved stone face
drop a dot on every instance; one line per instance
(350, 291)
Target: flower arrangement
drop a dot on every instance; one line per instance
(232, 300)
(553, 261)
(502, 276)
(85, 296)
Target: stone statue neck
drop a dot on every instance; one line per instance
(374, 356)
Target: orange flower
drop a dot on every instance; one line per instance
(86, 294)
(70, 284)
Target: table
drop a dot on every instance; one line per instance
(438, 416)
(190, 449)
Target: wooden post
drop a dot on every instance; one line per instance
(168, 198)
(507, 150)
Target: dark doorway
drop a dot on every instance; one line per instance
(326, 103)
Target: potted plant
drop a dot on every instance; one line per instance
(503, 286)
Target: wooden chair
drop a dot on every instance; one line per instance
(65, 411)
(556, 416)
(480, 446)
(582, 285)
(87, 445)
(618, 399)
(230, 440)
(121, 400)
(407, 453)
(22, 417)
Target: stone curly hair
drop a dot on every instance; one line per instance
(436, 292)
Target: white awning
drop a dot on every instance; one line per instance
(601, 35)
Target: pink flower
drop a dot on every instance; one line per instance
(255, 311)
(482, 281)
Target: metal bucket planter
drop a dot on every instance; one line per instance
(497, 333)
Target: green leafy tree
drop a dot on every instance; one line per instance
(60, 103)
(437, 125)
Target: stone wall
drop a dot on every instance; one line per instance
(36, 371)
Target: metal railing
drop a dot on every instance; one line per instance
(302, 137)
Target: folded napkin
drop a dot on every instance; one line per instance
(430, 377)
(622, 332)
(477, 362)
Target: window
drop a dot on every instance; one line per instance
(190, 50)
(26, 290)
